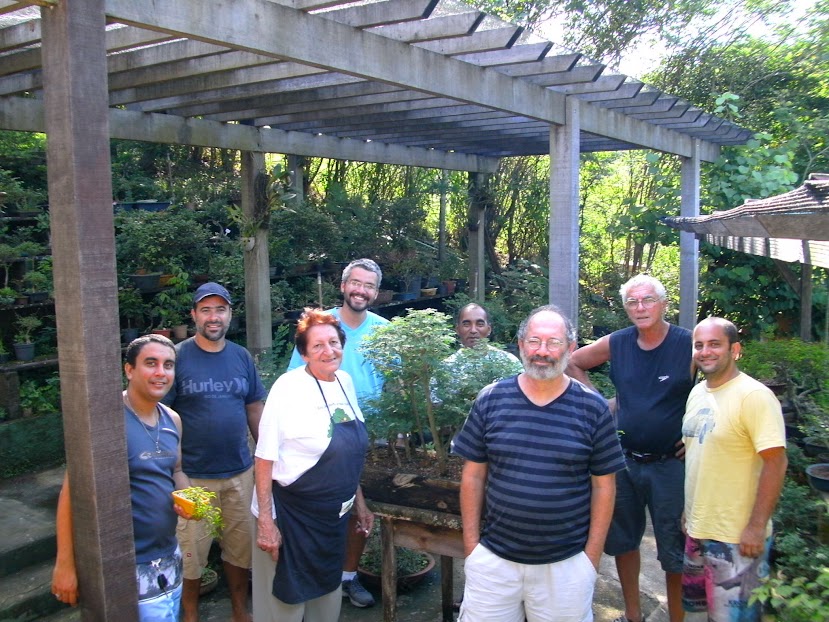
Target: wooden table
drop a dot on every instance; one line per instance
(422, 530)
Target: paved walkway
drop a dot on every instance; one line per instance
(28, 515)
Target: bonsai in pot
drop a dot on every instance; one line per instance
(196, 502)
(24, 348)
(409, 352)
(131, 307)
(172, 305)
(412, 566)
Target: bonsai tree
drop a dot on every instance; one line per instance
(7, 296)
(172, 305)
(26, 325)
(196, 501)
(408, 352)
(130, 305)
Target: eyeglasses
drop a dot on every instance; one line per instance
(369, 287)
(647, 302)
(534, 343)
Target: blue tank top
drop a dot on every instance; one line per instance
(652, 387)
(151, 484)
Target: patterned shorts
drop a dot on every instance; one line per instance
(717, 579)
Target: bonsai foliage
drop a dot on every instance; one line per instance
(470, 371)
(26, 325)
(203, 508)
(408, 352)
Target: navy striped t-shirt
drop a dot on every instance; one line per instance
(539, 459)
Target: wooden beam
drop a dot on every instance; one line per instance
(86, 285)
(27, 115)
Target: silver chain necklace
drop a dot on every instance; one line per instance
(157, 439)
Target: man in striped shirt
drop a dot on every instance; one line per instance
(541, 455)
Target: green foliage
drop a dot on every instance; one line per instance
(274, 362)
(521, 288)
(40, 397)
(408, 352)
(7, 295)
(204, 509)
(467, 372)
(798, 600)
(172, 305)
(131, 305)
(163, 241)
(804, 368)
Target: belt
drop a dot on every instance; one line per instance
(645, 458)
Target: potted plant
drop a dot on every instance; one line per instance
(4, 353)
(7, 296)
(131, 307)
(37, 285)
(172, 305)
(196, 503)
(412, 566)
(24, 349)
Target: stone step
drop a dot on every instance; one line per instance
(27, 595)
(27, 521)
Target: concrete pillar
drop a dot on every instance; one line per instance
(564, 212)
(688, 243)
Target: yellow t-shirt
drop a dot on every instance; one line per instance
(724, 430)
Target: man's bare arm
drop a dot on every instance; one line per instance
(752, 540)
(473, 485)
(588, 357)
(602, 499)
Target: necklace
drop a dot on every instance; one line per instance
(157, 439)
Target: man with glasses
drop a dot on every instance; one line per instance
(650, 366)
(359, 285)
(541, 453)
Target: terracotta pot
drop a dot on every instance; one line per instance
(166, 332)
(180, 332)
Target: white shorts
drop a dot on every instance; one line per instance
(497, 590)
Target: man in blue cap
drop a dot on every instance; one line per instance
(219, 396)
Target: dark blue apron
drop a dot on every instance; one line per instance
(311, 558)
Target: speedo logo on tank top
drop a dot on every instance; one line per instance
(234, 386)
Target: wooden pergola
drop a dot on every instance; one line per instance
(427, 83)
(792, 227)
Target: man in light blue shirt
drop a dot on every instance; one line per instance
(359, 285)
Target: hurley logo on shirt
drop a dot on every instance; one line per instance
(663, 378)
(234, 385)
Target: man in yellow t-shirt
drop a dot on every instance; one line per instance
(735, 462)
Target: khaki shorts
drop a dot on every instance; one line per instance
(233, 496)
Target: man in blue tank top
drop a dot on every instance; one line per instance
(650, 366)
(153, 434)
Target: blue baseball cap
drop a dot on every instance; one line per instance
(211, 289)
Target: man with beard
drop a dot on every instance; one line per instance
(541, 454)
(650, 366)
(219, 396)
(359, 285)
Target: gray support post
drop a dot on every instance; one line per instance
(477, 231)
(806, 293)
(444, 182)
(86, 305)
(257, 280)
(688, 243)
(297, 170)
(564, 212)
